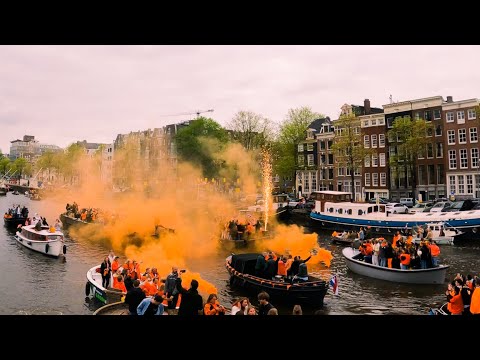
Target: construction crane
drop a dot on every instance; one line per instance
(197, 112)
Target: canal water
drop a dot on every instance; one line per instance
(35, 284)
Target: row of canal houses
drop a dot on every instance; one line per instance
(449, 168)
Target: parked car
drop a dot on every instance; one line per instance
(439, 206)
(380, 201)
(409, 202)
(396, 208)
(462, 205)
(422, 207)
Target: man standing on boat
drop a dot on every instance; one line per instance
(134, 297)
(171, 291)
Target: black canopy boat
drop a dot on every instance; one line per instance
(12, 219)
(241, 268)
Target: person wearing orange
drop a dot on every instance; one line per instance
(404, 260)
(475, 301)
(212, 306)
(455, 302)
(281, 267)
(115, 264)
(120, 285)
(434, 252)
(395, 239)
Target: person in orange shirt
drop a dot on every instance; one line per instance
(434, 252)
(115, 264)
(455, 302)
(213, 307)
(475, 301)
(120, 285)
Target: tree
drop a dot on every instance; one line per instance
(411, 142)
(251, 130)
(292, 131)
(348, 146)
(5, 164)
(200, 142)
(20, 165)
(48, 161)
(70, 160)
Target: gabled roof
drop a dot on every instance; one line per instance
(360, 110)
(318, 123)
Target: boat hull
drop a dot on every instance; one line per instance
(118, 308)
(417, 276)
(95, 290)
(12, 223)
(53, 248)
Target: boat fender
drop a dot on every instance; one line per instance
(64, 249)
(46, 248)
(87, 289)
(474, 230)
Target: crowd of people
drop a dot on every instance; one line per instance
(148, 294)
(463, 295)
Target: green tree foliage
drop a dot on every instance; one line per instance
(49, 161)
(251, 130)
(292, 131)
(21, 167)
(5, 165)
(348, 148)
(412, 142)
(200, 142)
(69, 163)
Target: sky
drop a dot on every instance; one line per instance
(63, 94)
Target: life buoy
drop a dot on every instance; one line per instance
(64, 249)
(46, 248)
(87, 289)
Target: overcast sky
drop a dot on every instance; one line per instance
(61, 94)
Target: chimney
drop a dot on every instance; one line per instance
(366, 105)
(449, 99)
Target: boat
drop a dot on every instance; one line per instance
(12, 221)
(15, 192)
(68, 221)
(241, 268)
(117, 308)
(434, 275)
(44, 241)
(334, 209)
(3, 190)
(94, 288)
(446, 238)
(279, 206)
(344, 239)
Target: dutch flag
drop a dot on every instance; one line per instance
(334, 284)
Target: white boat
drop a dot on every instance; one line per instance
(437, 228)
(334, 209)
(279, 206)
(95, 289)
(434, 275)
(43, 241)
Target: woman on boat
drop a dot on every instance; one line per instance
(241, 305)
(213, 307)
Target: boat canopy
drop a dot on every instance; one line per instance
(245, 263)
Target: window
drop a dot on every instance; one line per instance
(421, 175)
(382, 159)
(366, 141)
(421, 153)
(322, 145)
(381, 140)
(429, 151)
(329, 143)
(390, 122)
(428, 115)
(381, 121)
(438, 130)
(367, 161)
(462, 136)
(310, 160)
(357, 172)
(429, 132)
(473, 135)
(451, 137)
(374, 160)
(307, 183)
(469, 184)
(439, 150)
(463, 159)
(474, 156)
(460, 117)
(440, 174)
(451, 180)
(471, 114)
(314, 182)
(341, 171)
(300, 160)
(461, 184)
(417, 116)
(358, 190)
(300, 147)
(367, 179)
(392, 150)
(375, 179)
(383, 179)
(450, 116)
(437, 115)
(374, 141)
(365, 123)
(309, 147)
(431, 174)
(452, 157)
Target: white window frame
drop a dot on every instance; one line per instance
(433, 151)
(461, 184)
(382, 159)
(300, 147)
(341, 171)
(383, 179)
(473, 134)
(374, 140)
(375, 179)
(436, 150)
(309, 147)
(463, 158)
(474, 157)
(381, 121)
(439, 112)
(452, 159)
(452, 183)
(310, 160)
(472, 115)
(374, 122)
(462, 136)
(367, 161)
(374, 160)
(357, 172)
(301, 160)
(461, 117)
(469, 184)
(366, 141)
(450, 116)
(365, 123)
(451, 133)
(367, 179)
(381, 140)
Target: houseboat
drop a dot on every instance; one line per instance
(334, 210)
